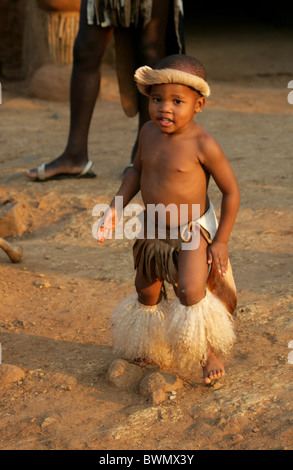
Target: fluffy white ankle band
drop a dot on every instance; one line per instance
(139, 331)
(194, 331)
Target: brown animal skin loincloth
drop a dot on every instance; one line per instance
(159, 257)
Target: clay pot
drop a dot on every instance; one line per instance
(60, 5)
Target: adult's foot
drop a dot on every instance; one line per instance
(58, 167)
(214, 369)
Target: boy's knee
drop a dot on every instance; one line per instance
(190, 295)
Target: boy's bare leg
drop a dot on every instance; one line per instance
(148, 292)
(89, 49)
(192, 274)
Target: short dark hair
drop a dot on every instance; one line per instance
(183, 62)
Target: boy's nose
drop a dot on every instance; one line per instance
(165, 106)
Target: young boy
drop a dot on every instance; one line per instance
(173, 165)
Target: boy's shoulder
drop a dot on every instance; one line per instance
(207, 144)
(147, 126)
(146, 130)
(204, 138)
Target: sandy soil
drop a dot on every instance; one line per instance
(56, 304)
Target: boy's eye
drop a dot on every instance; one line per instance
(156, 100)
(177, 101)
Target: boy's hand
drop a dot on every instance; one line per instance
(218, 254)
(107, 225)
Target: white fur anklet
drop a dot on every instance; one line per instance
(194, 331)
(139, 331)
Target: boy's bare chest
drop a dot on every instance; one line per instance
(170, 156)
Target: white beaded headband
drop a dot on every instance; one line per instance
(146, 76)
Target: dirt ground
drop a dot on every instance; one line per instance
(56, 304)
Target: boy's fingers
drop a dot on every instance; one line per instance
(223, 268)
(217, 263)
(108, 233)
(101, 233)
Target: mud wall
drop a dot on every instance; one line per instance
(25, 35)
(11, 37)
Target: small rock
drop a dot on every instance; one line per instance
(124, 375)
(42, 285)
(10, 373)
(13, 219)
(47, 421)
(151, 383)
(65, 382)
(159, 381)
(157, 397)
(55, 116)
(237, 438)
(217, 385)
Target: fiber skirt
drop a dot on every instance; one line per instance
(124, 12)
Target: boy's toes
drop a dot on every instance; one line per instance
(213, 375)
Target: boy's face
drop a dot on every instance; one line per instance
(172, 107)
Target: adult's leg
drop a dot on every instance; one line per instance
(192, 275)
(151, 49)
(89, 49)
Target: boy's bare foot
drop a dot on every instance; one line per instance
(214, 368)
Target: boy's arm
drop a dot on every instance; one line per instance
(218, 166)
(130, 186)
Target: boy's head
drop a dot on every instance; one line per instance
(178, 69)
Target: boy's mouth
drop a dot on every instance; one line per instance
(165, 122)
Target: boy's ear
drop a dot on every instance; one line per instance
(200, 104)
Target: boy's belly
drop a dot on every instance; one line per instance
(179, 205)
